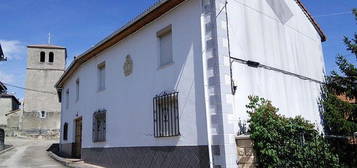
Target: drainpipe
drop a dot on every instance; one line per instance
(205, 84)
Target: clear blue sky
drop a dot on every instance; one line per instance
(78, 25)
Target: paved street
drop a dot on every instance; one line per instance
(28, 154)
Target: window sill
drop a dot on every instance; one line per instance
(165, 65)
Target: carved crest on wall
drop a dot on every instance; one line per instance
(128, 66)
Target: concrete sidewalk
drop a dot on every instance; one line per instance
(7, 148)
(72, 163)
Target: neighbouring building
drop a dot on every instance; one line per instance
(41, 113)
(169, 88)
(8, 103)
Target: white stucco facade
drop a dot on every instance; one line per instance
(128, 100)
(294, 47)
(206, 35)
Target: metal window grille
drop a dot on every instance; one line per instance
(99, 126)
(166, 115)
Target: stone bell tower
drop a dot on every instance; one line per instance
(41, 113)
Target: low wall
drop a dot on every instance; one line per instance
(246, 155)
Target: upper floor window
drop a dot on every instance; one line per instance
(101, 76)
(67, 98)
(51, 57)
(65, 131)
(165, 37)
(42, 56)
(77, 89)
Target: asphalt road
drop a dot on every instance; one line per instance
(28, 154)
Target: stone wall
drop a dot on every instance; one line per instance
(5, 107)
(246, 155)
(32, 125)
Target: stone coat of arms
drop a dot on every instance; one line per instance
(128, 66)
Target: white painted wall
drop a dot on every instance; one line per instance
(128, 100)
(256, 34)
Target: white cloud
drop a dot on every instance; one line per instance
(13, 49)
(6, 78)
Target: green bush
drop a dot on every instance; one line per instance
(286, 142)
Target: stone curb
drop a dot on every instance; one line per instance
(7, 149)
(71, 164)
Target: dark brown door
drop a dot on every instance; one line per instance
(78, 138)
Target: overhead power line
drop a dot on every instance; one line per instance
(33, 90)
(334, 14)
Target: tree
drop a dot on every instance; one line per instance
(340, 117)
(345, 84)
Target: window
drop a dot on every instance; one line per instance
(67, 98)
(101, 76)
(51, 57)
(166, 115)
(77, 89)
(165, 37)
(42, 114)
(42, 56)
(65, 131)
(99, 126)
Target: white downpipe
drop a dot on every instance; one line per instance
(205, 84)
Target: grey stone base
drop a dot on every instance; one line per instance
(66, 150)
(148, 157)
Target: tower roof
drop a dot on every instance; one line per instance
(45, 46)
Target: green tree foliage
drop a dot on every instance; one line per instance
(340, 117)
(346, 82)
(286, 142)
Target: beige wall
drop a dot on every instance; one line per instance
(5, 107)
(41, 77)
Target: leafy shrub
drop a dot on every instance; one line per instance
(286, 142)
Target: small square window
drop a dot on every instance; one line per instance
(42, 114)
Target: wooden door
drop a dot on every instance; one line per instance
(78, 138)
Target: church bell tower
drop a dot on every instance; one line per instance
(45, 65)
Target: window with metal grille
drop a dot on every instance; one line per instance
(99, 126)
(166, 115)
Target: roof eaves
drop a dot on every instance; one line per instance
(312, 20)
(81, 58)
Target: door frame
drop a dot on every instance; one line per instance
(76, 153)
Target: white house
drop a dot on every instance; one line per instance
(168, 88)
